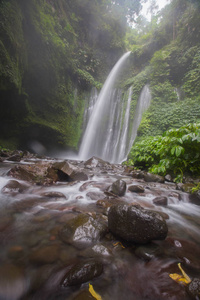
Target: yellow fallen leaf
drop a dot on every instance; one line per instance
(118, 243)
(184, 278)
(175, 276)
(93, 293)
(187, 278)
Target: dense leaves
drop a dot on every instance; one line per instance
(176, 152)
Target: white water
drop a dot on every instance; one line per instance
(93, 142)
(110, 132)
(142, 106)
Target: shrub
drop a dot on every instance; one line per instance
(176, 152)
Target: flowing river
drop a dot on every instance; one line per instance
(34, 257)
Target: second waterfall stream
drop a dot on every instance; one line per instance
(110, 130)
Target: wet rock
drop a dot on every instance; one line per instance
(13, 284)
(45, 255)
(82, 272)
(83, 230)
(168, 178)
(15, 157)
(54, 195)
(95, 195)
(163, 201)
(195, 198)
(138, 174)
(148, 177)
(193, 288)
(186, 187)
(102, 250)
(135, 224)
(68, 172)
(118, 188)
(106, 203)
(34, 173)
(136, 189)
(85, 185)
(13, 186)
(95, 162)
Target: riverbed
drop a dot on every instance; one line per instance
(35, 258)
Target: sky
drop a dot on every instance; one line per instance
(160, 3)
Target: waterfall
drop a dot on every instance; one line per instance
(110, 132)
(124, 136)
(89, 106)
(94, 142)
(142, 105)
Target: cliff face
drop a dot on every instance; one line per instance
(51, 53)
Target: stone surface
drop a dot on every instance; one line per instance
(148, 177)
(118, 188)
(68, 172)
(193, 288)
(163, 201)
(82, 230)
(135, 224)
(136, 188)
(82, 272)
(13, 186)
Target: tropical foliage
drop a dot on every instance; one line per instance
(176, 152)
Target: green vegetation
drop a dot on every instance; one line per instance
(169, 48)
(176, 152)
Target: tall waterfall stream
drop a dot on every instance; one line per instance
(109, 131)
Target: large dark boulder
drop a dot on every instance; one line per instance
(135, 224)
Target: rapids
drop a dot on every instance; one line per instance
(33, 258)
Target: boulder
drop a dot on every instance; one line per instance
(53, 194)
(163, 201)
(68, 172)
(82, 272)
(148, 177)
(135, 224)
(13, 186)
(136, 189)
(118, 188)
(82, 230)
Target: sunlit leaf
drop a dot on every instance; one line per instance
(184, 274)
(118, 243)
(93, 293)
(184, 278)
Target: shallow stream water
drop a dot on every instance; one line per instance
(33, 258)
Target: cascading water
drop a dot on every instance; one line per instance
(110, 133)
(89, 107)
(94, 141)
(142, 106)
